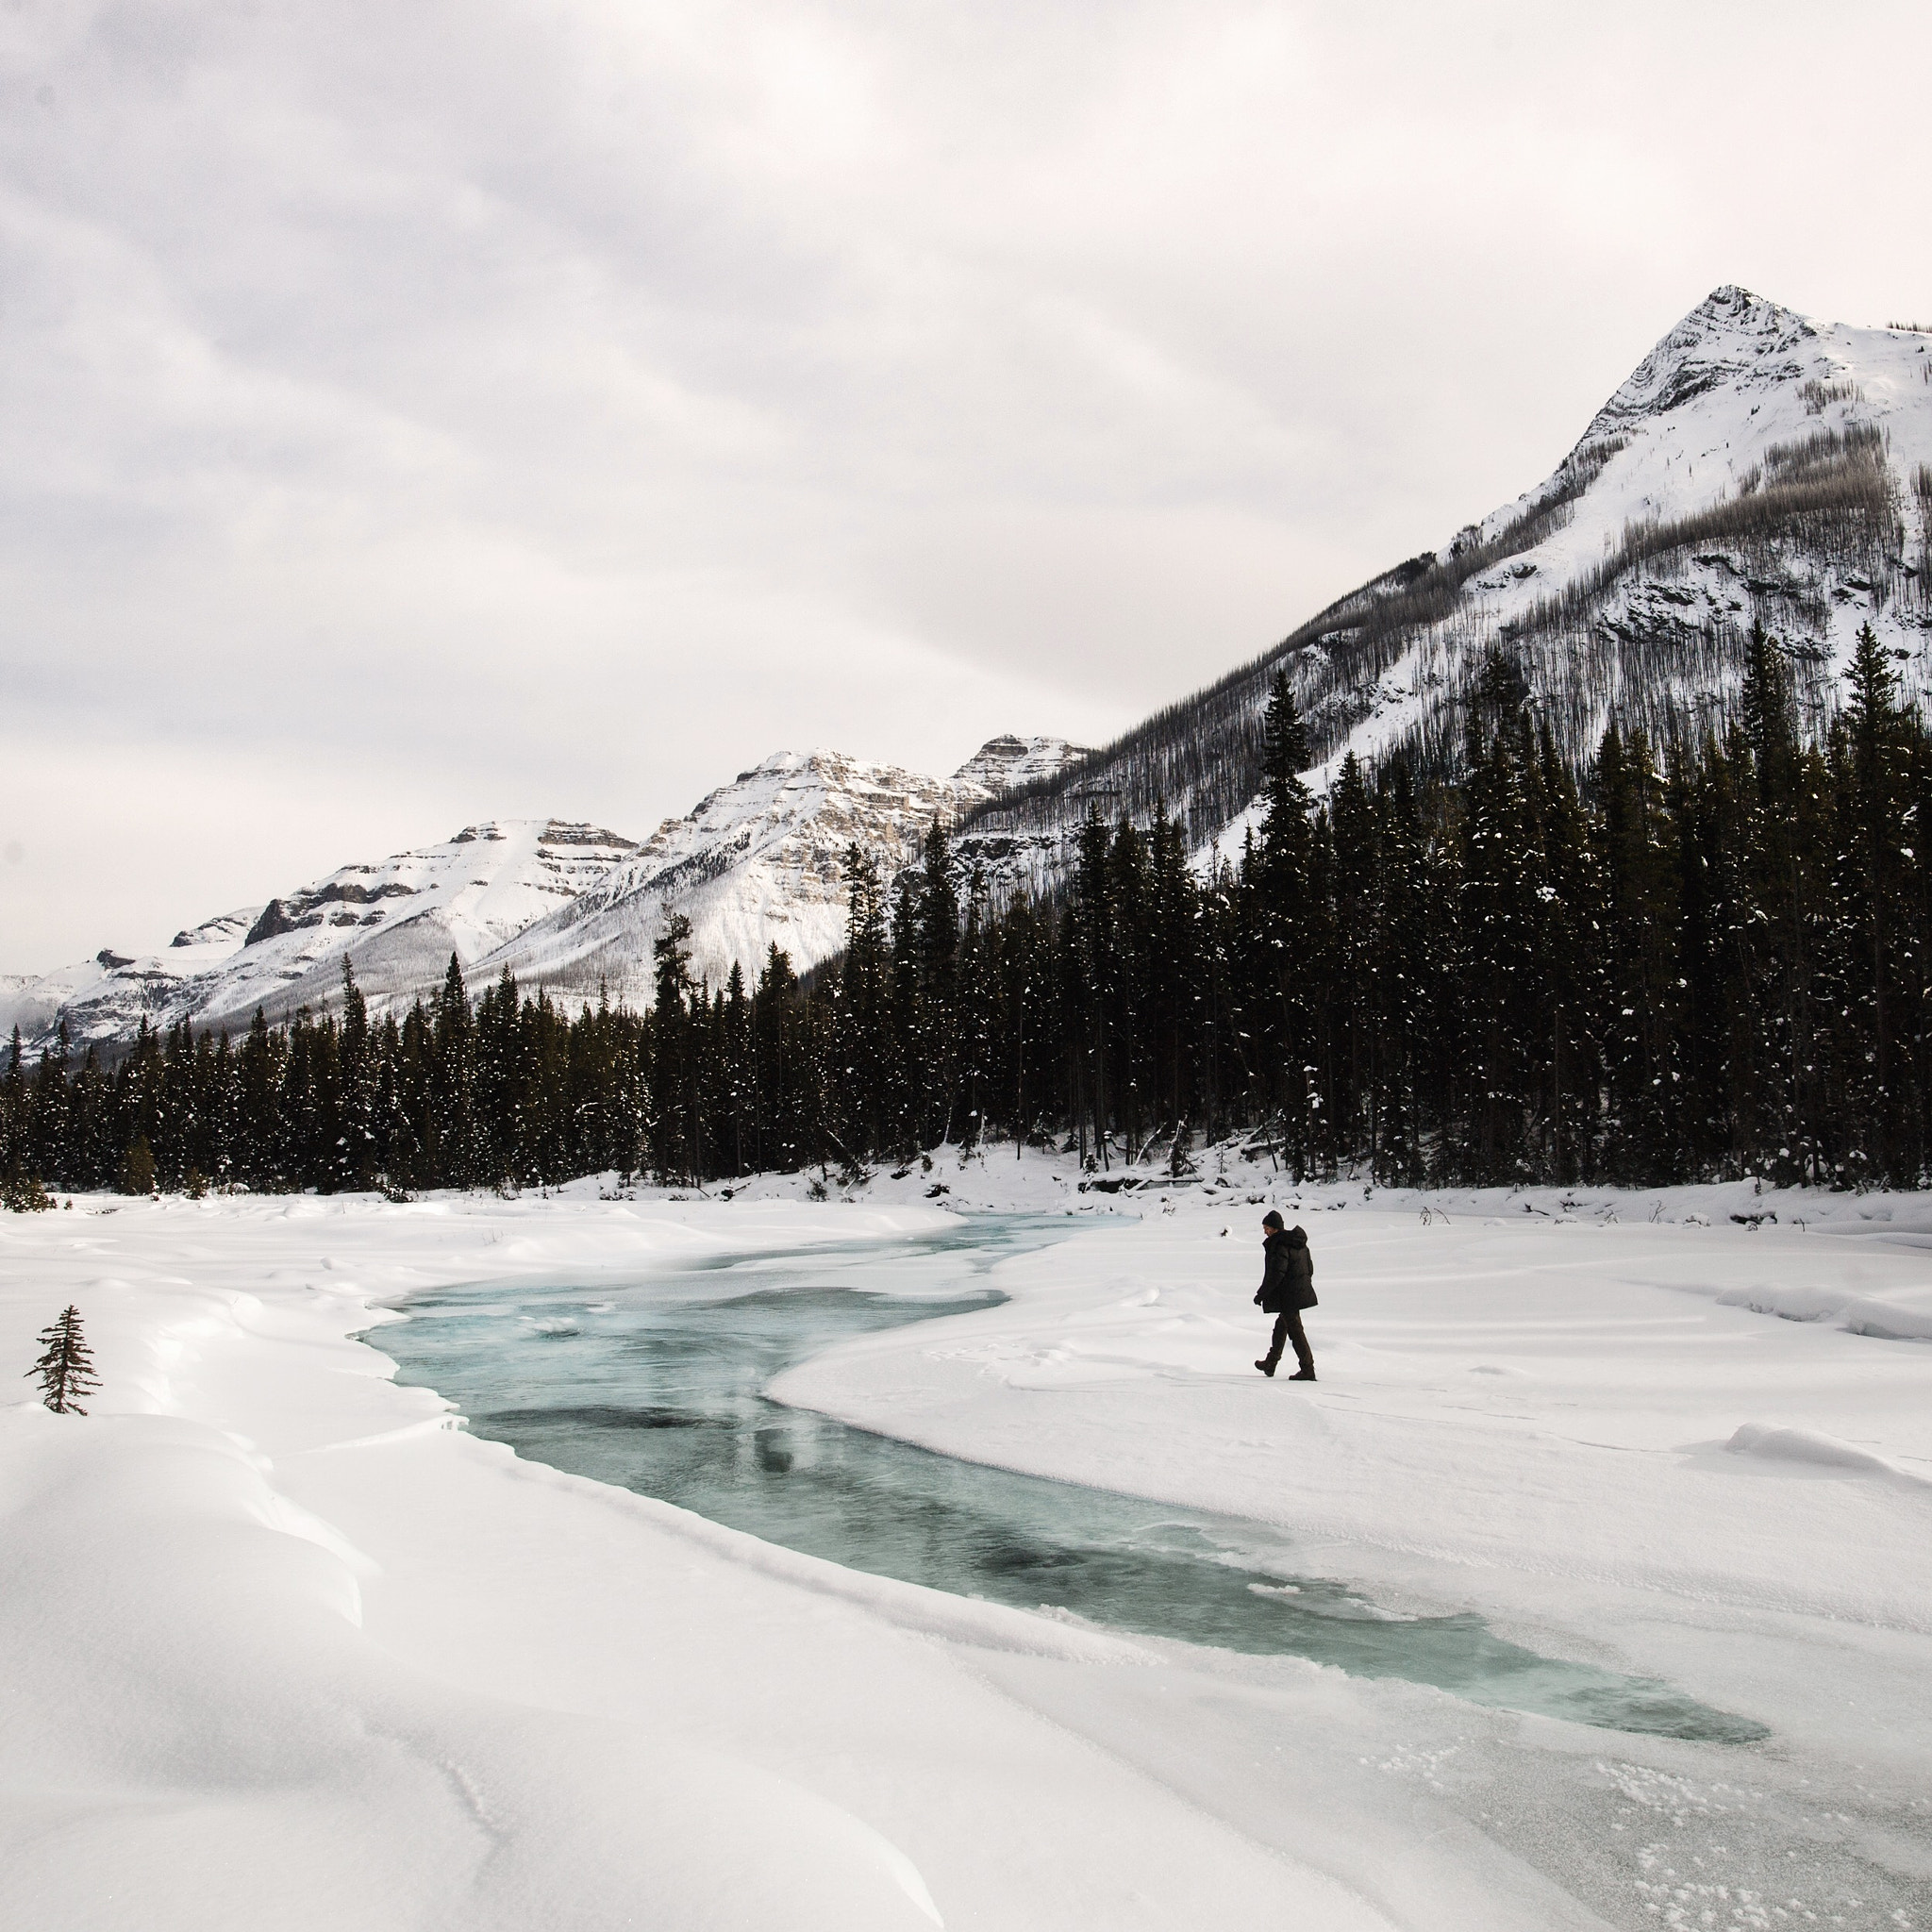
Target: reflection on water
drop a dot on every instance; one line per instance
(655, 1384)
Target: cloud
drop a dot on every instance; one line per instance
(413, 413)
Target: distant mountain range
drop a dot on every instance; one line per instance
(399, 921)
(569, 906)
(1755, 466)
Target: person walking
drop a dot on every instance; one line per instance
(1288, 1287)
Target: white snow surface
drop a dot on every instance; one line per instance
(1525, 1383)
(284, 1646)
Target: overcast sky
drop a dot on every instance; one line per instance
(417, 413)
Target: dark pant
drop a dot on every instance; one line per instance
(1287, 1328)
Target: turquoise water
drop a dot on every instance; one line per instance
(656, 1384)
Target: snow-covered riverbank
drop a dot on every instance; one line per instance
(283, 1647)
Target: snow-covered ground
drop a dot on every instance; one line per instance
(1653, 1435)
(283, 1646)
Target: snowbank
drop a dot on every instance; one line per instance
(1815, 1448)
(1855, 1314)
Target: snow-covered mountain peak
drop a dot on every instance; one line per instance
(760, 860)
(224, 931)
(478, 887)
(1737, 395)
(1007, 764)
(763, 862)
(1701, 392)
(784, 790)
(1755, 466)
(1732, 335)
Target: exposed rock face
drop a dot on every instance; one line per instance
(225, 929)
(1010, 764)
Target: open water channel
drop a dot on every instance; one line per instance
(657, 1383)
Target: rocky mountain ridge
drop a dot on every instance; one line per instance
(398, 920)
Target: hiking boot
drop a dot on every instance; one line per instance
(1267, 1368)
(1303, 1375)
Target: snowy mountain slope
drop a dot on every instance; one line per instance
(398, 921)
(1755, 465)
(760, 863)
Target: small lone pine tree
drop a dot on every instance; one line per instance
(66, 1370)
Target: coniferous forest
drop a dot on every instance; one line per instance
(1700, 958)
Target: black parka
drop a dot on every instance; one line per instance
(1288, 1280)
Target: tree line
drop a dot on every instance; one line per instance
(1703, 959)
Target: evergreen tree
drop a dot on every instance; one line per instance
(1769, 720)
(65, 1369)
(1281, 907)
(1638, 922)
(1500, 927)
(358, 1151)
(1872, 760)
(863, 1046)
(674, 1054)
(1567, 968)
(931, 1016)
(974, 1018)
(451, 1125)
(1286, 800)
